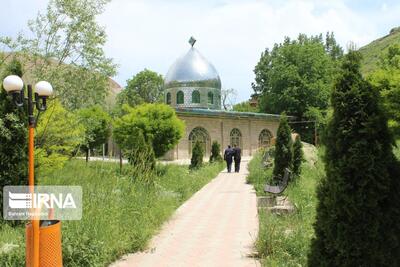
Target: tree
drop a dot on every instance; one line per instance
(298, 156)
(358, 212)
(197, 156)
(387, 80)
(331, 46)
(295, 76)
(158, 122)
(215, 152)
(13, 136)
(244, 107)
(144, 87)
(58, 135)
(283, 148)
(97, 127)
(228, 97)
(65, 47)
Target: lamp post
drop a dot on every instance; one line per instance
(15, 87)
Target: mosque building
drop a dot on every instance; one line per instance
(193, 87)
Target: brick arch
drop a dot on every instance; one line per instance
(236, 137)
(264, 138)
(200, 134)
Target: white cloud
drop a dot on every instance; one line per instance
(230, 33)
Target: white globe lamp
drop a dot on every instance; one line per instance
(13, 83)
(44, 88)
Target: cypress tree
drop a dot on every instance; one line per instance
(298, 156)
(215, 152)
(357, 222)
(283, 148)
(197, 156)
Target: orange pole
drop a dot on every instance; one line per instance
(34, 221)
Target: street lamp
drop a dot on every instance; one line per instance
(14, 86)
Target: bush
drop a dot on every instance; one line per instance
(13, 137)
(197, 156)
(358, 213)
(58, 134)
(298, 156)
(158, 123)
(215, 152)
(283, 148)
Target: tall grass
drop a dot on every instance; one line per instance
(120, 215)
(284, 239)
(258, 175)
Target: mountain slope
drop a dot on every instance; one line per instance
(372, 51)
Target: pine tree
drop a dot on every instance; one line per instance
(358, 214)
(215, 152)
(283, 148)
(197, 156)
(298, 156)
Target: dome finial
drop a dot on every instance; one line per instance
(192, 41)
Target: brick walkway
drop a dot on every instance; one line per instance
(216, 227)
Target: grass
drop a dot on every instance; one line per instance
(284, 239)
(119, 215)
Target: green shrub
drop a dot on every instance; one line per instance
(13, 137)
(358, 212)
(58, 135)
(215, 152)
(298, 156)
(283, 148)
(197, 156)
(158, 123)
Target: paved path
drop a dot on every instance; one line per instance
(216, 227)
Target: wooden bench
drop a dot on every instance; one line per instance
(281, 186)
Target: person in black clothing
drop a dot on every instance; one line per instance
(237, 156)
(228, 154)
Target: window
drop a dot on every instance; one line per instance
(210, 98)
(179, 97)
(196, 97)
(168, 98)
(199, 134)
(264, 139)
(236, 137)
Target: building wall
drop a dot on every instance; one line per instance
(219, 129)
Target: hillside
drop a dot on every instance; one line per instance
(372, 51)
(114, 87)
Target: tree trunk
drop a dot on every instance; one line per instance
(120, 161)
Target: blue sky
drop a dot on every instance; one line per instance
(231, 33)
